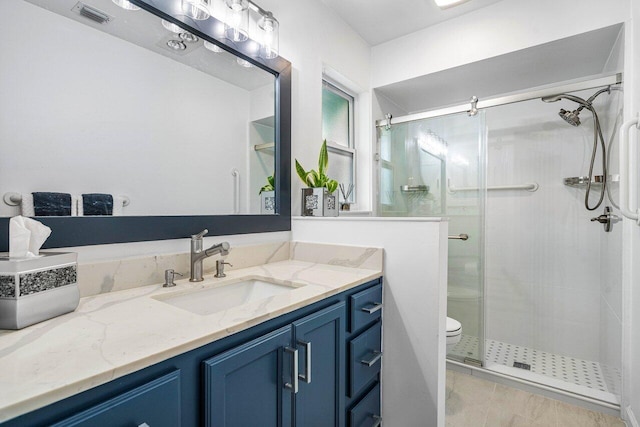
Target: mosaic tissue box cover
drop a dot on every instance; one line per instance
(36, 289)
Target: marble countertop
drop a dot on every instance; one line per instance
(117, 333)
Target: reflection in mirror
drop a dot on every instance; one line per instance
(141, 118)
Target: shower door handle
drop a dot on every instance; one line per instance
(459, 237)
(626, 186)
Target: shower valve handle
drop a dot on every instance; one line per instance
(607, 219)
(602, 219)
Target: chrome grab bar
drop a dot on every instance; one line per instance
(459, 237)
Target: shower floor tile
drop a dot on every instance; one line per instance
(579, 372)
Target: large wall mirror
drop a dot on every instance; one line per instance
(128, 125)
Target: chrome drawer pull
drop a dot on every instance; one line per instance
(377, 355)
(378, 420)
(293, 385)
(376, 307)
(306, 377)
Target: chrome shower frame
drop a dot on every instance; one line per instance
(595, 83)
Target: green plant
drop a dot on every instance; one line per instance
(319, 178)
(270, 186)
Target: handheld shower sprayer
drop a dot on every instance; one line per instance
(572, 117)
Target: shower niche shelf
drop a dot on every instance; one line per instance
(582, 181)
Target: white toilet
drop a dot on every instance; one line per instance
(454, 332)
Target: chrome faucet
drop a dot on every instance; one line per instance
(198, 254)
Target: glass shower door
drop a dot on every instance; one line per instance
(436, 167)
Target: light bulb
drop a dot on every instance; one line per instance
(237, 22)
(125, 4)
(196, 9)
(269, 33)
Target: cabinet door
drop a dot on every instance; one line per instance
(321, 350)
(245, 386)
(155, 404)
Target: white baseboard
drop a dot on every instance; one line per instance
(633, 421)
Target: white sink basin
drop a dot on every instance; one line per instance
(233, 294)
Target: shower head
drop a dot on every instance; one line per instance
(570, 117)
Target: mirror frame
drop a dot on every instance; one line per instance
(84, 231)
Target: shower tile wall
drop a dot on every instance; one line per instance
(548, 274)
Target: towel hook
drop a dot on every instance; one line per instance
(12, 199)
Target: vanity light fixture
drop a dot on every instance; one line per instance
(126, 4)
(197, 9)
(269, 38)
(237, 21)
(445, 4)
(213, 47)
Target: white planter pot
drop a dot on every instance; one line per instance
(268, 202)
(319, 202)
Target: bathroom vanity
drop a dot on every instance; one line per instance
(306, 355)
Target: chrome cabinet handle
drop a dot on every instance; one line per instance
(377, 306)
(293, 385)
(459, 237)
(378, 420)
(306, 377)
(377, 355)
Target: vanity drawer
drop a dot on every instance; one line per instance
(154, 404)
(365, 307)
(365, 358)
(367, 412)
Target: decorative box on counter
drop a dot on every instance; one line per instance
(37, 289)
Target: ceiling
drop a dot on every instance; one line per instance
(378, 21)
(577, 57)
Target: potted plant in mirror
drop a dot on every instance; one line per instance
(268, 196)
(320, 199)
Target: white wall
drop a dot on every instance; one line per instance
(86, 112)
(500, 28)
(312, 37)
(415, 276)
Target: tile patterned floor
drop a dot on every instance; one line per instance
(576, 371)
(474, 402)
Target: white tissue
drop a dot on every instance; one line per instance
(26, 237)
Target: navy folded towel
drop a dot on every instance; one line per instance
(97, 204)
(51, 204)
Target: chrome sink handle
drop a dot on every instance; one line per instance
(200, 235)
(198, 254)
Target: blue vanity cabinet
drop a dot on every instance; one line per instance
(293, 376)
(247, 378)
(152, 404)
(247, 386)
(320, 339)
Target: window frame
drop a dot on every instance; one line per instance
(333, 146)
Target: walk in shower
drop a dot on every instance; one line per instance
(537, 284)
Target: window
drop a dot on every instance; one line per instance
(338, 131)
